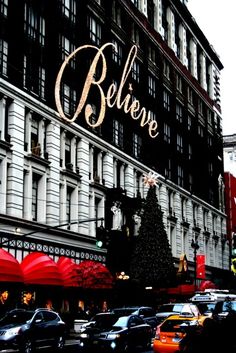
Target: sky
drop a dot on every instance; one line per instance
(217, 21)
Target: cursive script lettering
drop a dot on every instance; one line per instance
(113, 97)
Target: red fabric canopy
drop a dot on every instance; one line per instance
(94, 275)
(10, 269)
(39, 268)
(67, 269)
(206, 285)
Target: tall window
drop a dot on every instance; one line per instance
(69, 99)
(168, 169)
(35, 197)
(137, 143)
(179, 113)
(95, 31)
(117, 52)
(190, 95)
(67, 48)
(179, 139)
(166, 133)
(4, 7)
(152, 86)
(34, 134)
(166, 69)
(69, 9)
(180, 176)
(179, 83)
(166, 100)
(118, 132)
(116, 13)
(135, 35)
(3, 56)
(34, 25)
(136, 71)
(68, 207)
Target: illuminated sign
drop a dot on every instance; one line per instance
(113, 97)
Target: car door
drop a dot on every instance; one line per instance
(137, 331)
(37, 332)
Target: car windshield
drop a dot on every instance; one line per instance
(104, 321)
(177, 325)
(121, 322)
(170, 307)
(18, 317)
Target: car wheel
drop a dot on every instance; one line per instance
(60, 343)
(26, 346)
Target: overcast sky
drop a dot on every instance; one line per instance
(217, 21)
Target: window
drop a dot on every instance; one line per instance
(210, 169)
(34, 77)
(3, 56)
(152, 116)
(42, 82)
(166, 133)
(67, 48)
(34, 134)
(200, 107)
(35, 197)
(68, 206)
(189, 122)
(166, 100)
(179, 143)
(136, 71)
(68, 153)
(190, 152)
(135, 35)
(168, 169)
(117, 52)
(69, 99)
(200, 130)
(137, 143)
(95, 31)
(69, 9)
(190, 95)
(34, 25)
(179, 113)
(4, 7)
(166, 69)
(152, 54)
(118, 131)
(180, 176)
(116, 13)
(179, 83)
(152, 86)
(93, 119)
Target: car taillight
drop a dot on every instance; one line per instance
(157, 335)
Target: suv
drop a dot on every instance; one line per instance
(166, 310)
(25, 330)
(147, 313)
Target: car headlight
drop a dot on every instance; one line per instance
(113, 336)
(84, 335)
(12, 332)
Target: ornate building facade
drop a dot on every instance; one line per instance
(60, 180)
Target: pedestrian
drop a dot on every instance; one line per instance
(4, 302)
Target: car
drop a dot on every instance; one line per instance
(26, 330)
(112, 332)
(172, 330)
(147, 313)
(166, 310)
(206, 308)
(224, 308)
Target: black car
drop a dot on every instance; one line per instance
(25, 330)
(224, 308)
(147, 313)
(111, 332)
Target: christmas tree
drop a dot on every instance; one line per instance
(151, 261)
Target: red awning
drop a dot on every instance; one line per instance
(39, 268)
(206, 285)
(182, 289)
(10, 269)
(67, 269)
(94, 275)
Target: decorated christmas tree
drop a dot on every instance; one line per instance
(151, 260)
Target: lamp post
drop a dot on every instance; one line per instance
(195, 246)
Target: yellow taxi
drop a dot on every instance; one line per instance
(172, 330)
